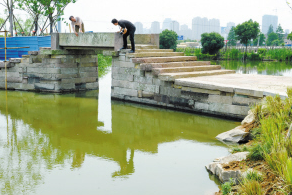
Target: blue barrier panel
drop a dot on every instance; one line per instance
(34, 43)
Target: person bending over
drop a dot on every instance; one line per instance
(127, 28)
(77, 25)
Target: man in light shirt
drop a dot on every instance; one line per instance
(77, 25)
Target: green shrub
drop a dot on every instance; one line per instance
(167, 39)
(226, 188)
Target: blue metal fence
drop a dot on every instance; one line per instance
(34, 43)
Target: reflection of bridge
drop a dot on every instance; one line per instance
(71, 125)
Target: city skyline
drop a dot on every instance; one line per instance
(225, 10)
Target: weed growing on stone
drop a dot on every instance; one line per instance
(104, 64)
(226, 188)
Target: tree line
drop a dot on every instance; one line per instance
(49, 10)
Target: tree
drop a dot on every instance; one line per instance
(280, 33)
(34, 8)
(231, 37)
(271, 29)
(271, 38)
(247, 31)
(212, 43)
(53, 9)
(262, 40)
(9, 5)
(290, 36)
(167, 39)
(24, 26)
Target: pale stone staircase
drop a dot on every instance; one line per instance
(168, 65)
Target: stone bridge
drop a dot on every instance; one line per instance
(151, 76)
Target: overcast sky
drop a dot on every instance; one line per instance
(97, 15)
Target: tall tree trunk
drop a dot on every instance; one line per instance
(36, 25)
(11, 18)
(51, 23)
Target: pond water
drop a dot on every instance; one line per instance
(84, 143)
(257, 67)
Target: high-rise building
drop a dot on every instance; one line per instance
(155, 27)
(174, 26)
(229, 26)
(287, 31)
(139, 28)
(166, 24)
(268, 20)
(185, 31)
(203, 25)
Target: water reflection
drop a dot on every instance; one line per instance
(46, 132)
(258, 67)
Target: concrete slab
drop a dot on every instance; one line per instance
(241, 84)
(157, 71)
(150, 66)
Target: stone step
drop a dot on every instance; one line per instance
(141, 46)
(173, 76)
(153, 50)
(154, 54)
(157, 71)
(164, 59)
(150, 66)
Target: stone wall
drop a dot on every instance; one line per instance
(52, 71)
(131, 83)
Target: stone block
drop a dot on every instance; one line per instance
(244, 101)
(58, 56)
(144, 80)
(89, 64)
(88, 60)
(88, 74)
(198, 90)
(127, 64)
(24, 60)
(117, 96)
(14, 79)
(69, 70)
(115, 62)
(249, 92)
(86, 80)
(147, 87)
(201, 97)
(130, 71)
(122, 58)
(146, 94)
(110, 53)
(220, 99)
(124, 91)
(148, 74)
(44, 86)
(15, 60)
(44, 70)
(169, 91)
(123, 77)
(9, 74)
(64, 86)
(64, 76)
(159, 82)
(201, 106)
(29, 87)
(123, 84)
(51, 61)
(87, 69)
(33, 53)
(92, 85)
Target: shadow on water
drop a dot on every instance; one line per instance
(49, 130)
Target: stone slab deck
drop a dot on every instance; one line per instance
(241, 84)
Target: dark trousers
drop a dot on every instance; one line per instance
(131, 33)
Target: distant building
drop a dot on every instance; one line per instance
(146, 31)
(166, 24)
(268, 20)
(139, 28)
(185, 31)
(155, 27)
(203, 25)
(229, 26)
(174, 26)
(287, 31)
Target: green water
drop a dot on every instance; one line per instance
(84, 143)
(258, 67)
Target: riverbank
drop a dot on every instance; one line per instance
(262, 54)
(268, 166)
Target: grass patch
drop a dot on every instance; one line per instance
(104, 64)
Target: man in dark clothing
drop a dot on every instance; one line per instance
(129, 29)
